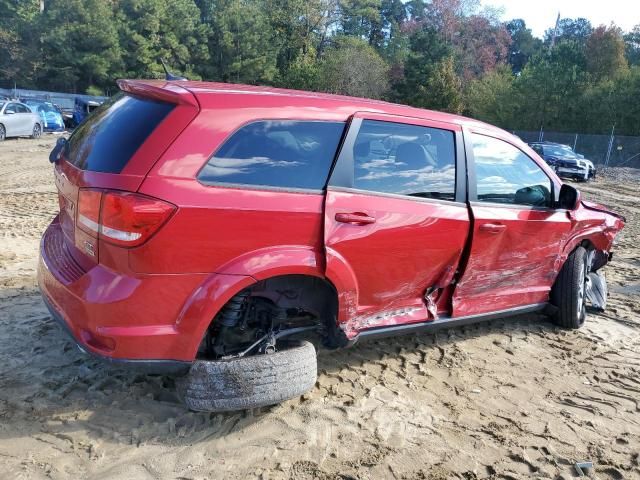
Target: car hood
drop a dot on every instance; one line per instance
(565, 158)
(597, 207)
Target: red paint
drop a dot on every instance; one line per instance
(513, 265)
(380, 252)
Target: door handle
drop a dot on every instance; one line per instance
(356, 218)
(492, 227)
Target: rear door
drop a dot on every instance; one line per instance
(517, 234)
(395, 219)
(25, 119)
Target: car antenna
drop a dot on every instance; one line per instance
(168, 75)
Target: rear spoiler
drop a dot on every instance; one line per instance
(159, 90)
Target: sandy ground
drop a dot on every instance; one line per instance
(508, 399)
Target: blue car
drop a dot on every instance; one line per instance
(565, 161)
(82, 109)
(52, 120)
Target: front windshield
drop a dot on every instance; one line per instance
(42, 107)
(1, 105)
(563, 152)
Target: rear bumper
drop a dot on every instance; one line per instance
(121, 317)
(166, 367)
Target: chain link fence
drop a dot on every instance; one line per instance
(603, 150)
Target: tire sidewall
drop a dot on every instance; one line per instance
(249, 382)
(568, 294)
(581, 293)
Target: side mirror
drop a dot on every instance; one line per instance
(9, 112)
(569, 197)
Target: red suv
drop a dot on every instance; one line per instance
(214, 229)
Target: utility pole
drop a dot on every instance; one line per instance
(41, 6)
(555, 33)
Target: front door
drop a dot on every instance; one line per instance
(395, 219)
(518, 236)
(12, 120)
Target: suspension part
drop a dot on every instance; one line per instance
(232, 312)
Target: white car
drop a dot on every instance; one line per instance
(17, 120)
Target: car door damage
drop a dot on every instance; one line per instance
(508, 261)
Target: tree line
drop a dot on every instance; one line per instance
(449, 55)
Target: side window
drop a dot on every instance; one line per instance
(405, 160)
(277, 153)
(22, 109)
(504, 174)
(11, 108)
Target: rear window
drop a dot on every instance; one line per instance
(276, 153)
(107, 139)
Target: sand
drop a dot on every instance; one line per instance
(507, 399)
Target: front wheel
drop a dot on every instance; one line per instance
(569, 292)
(37, 131)
(3, 133)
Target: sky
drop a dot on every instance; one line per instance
(541, 14)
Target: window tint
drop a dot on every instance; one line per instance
(108, 138)
(504, 174)
(277, 153)
(405, 160)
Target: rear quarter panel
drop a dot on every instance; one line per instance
(246, 231)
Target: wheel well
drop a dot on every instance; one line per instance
(587, 245)
(276, 303)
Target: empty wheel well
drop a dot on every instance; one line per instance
(273, 306)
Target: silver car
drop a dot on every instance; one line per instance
(17, 120)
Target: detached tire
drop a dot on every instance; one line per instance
(250, 382)
(568, 293)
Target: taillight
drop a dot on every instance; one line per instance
(121, 218)
(89, 210)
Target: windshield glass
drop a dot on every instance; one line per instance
(41, 107)
(563, 152)
(1, 105)
(108, 138)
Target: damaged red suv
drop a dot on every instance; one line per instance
(224, 232)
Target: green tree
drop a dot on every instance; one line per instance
(302, 74)
(605, 53)
(80, 45)
(426, 50)
(632, 46)
(442, 89)
(352, 67)
(20, 57)
(242, 43)
(150, 30)
(493, 98)
(523, 44)
(550, 88)
(576, 30)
